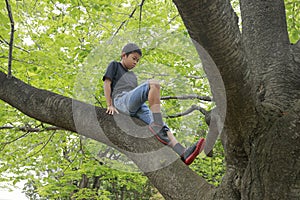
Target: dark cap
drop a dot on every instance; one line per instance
(130, 48)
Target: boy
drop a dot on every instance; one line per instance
(123, 94)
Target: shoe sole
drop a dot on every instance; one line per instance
(199, 148)
(157, 137)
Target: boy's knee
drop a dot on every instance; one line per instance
(154, 84)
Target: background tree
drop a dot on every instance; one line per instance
(261, 79)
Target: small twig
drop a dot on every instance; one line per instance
(196, 77)
(141, 8)
(187, 97)
(22, 61)
(4, 41)
(71, 161)
(30, 129)
(12, 25)
(99, 102)
(122, 24)
(9, 142)
(47, 142)
(188, 111)
(1, 66)
(130, 16)
(171, 20)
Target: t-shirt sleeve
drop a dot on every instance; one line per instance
(110, 71)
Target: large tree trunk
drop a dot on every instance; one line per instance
(261, 74)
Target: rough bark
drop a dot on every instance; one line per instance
(267, 47)
(272, 170)
(130, 136)
(262, 82)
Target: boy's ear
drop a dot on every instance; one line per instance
(123, 54)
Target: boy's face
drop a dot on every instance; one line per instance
(131, 60)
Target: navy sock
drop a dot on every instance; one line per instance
(157, 117)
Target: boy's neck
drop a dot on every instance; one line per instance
(123, 65)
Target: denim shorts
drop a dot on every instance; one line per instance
(133, 103)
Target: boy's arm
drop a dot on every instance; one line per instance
(107, 93)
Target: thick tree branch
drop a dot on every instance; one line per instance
(264, 30)
(266, 42)
(11, 42)
(128, 135)
(213, 26)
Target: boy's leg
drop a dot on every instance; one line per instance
(187, 154)
(133, 103)
(155, 107)
(145, 114)
(154, 101)
(135, 99)
(161, 131)
(130, 102)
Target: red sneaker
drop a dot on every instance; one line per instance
(193, 151)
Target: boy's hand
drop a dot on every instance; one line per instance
(111, 110)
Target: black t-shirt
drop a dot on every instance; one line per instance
(121, 78)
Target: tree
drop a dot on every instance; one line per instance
(261, 128)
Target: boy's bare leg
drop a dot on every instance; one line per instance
(173, 140)
(154, 103)
(154, 96)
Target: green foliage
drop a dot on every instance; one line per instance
(65, 47)
(212, 169)
(293, 19)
